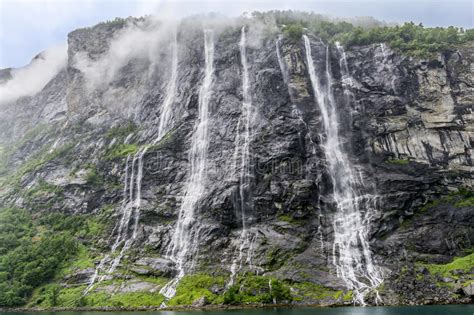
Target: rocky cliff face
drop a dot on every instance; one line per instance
(254, 194)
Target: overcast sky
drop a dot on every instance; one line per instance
(27, 27)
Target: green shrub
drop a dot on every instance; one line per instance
(251, 289)
(293, 31)
(120, 151)
(32, 263)
(193, 287)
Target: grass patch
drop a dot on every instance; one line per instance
(252, 289)
(34, 163)
(51, 295)
(121, 150)
(316, 292)
(461, 198)
(81, 261)
(468, 201)
(6, 154)
(287, 218)
(193, 287)
(92, 177)
(129, 299)
(398, 161)
(460, 263)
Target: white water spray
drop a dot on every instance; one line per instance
(351, 253)
(166, 109)
(281, 62)
(183, 245)
(384, 53)
(130, 211)
(242, 145)
(286, 80)
(131, 202)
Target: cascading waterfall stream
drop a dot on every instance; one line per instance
(384, 60)
(351, 253)
(244, 136)
(130, 210)
(281, 62)
(131, 202)
(166, 111)
(384, 54)
(184, 242)
(286, 80)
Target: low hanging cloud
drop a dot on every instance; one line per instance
(136, 41)
(32, 78)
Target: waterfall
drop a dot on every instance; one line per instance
(130, 211)
(347, 80)
(286, 80)
(131, 201)
(385, 60)
(281, 62)
(166, 109)
(184, 242)
(242, 144)
(382, 48)
(351, 254)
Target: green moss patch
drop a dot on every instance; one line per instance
(120, 151)
(193, 287)
(398, 161)
(52, 295)
(461, 198)
(316, 292)
(460, 263)
(252, 289)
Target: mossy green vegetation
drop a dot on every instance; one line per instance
(398, 161)
(128, 299)
(467, 201)
(464, 197)
(7, 153)
(293, 31)
(52, 295)
(31, 261)
(118, 134)
(121, 150)
(446, 270)
(313, 291)
(287, 218)
(42, 196)
(193, 287)
(252, 289)
(247, 289)
(81, 261)
(33, 163)
(92, 177)
(413, 39)
(36, 250)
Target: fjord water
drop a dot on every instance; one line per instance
(382, 310)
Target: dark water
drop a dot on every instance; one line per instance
(394, 310)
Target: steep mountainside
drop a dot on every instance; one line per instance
(227, 162)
